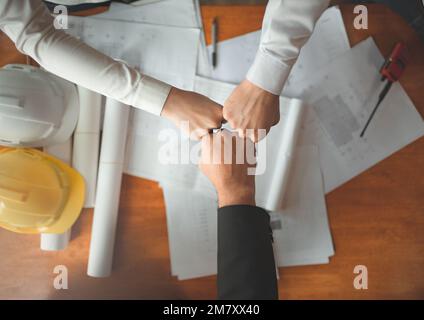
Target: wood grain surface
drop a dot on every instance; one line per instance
(377, 219)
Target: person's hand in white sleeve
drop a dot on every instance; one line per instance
(30, 26)
(251, 107)
(200, 113)
(287, 25)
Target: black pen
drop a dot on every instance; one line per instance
(214, 41)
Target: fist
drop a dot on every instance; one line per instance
(199, 112)
(252, 111)
(229, 162)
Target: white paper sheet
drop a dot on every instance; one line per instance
(145, 145)
(218, 91)
(341, 97)
(165, 53)
(301, 231)
(145, 148)
(192, 229)
(177, 13)
(329, 39)
(192, 223)
(234, 57)
(275, 143)
(196, 194)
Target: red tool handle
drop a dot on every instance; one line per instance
(395, 65)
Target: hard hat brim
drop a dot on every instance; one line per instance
(75, 203)
(72, 207)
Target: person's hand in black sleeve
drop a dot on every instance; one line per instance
(246, 267)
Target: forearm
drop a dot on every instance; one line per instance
(30, 26)
(287, 26)
(246, 267)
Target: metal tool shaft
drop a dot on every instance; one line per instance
(381, 97)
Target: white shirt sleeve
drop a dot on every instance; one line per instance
(30, 26)
(287, 26)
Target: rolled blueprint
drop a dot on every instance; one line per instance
(55, 242)
(279, 183)
(108, 189)
(86, 142)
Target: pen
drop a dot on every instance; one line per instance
(214, 41)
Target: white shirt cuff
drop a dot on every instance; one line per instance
(151, 95)
(268, 73)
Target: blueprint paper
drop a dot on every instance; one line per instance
(173, 13)
(329, 39)
(192, 223)
(178, 13)
(234, 58)
(341, 97)
(204, 65)
(155, 50)
(301, 230)
(268, 163)
(143, 159)
(192, 226)
(217, 91)
(191, 199)
(146, 145)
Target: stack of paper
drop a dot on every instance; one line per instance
(301, 230)
(165, 40)
(150, 37)
(328, 41)
(342, 96)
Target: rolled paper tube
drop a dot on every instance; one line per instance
(290, 133)
(86, 142)
(108, 189)
(56, 242)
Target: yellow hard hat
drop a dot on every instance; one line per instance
(38, 193)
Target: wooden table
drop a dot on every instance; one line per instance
(377, 219)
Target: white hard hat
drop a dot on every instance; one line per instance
(37, 108)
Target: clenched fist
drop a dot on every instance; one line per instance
(225, 161)
(201, 113)
(251, 107)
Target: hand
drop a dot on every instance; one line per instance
(232, 181)
(250, 107)
(201, 113)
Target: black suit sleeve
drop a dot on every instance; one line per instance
(246, 267)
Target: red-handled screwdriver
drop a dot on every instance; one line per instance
(391, 71)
